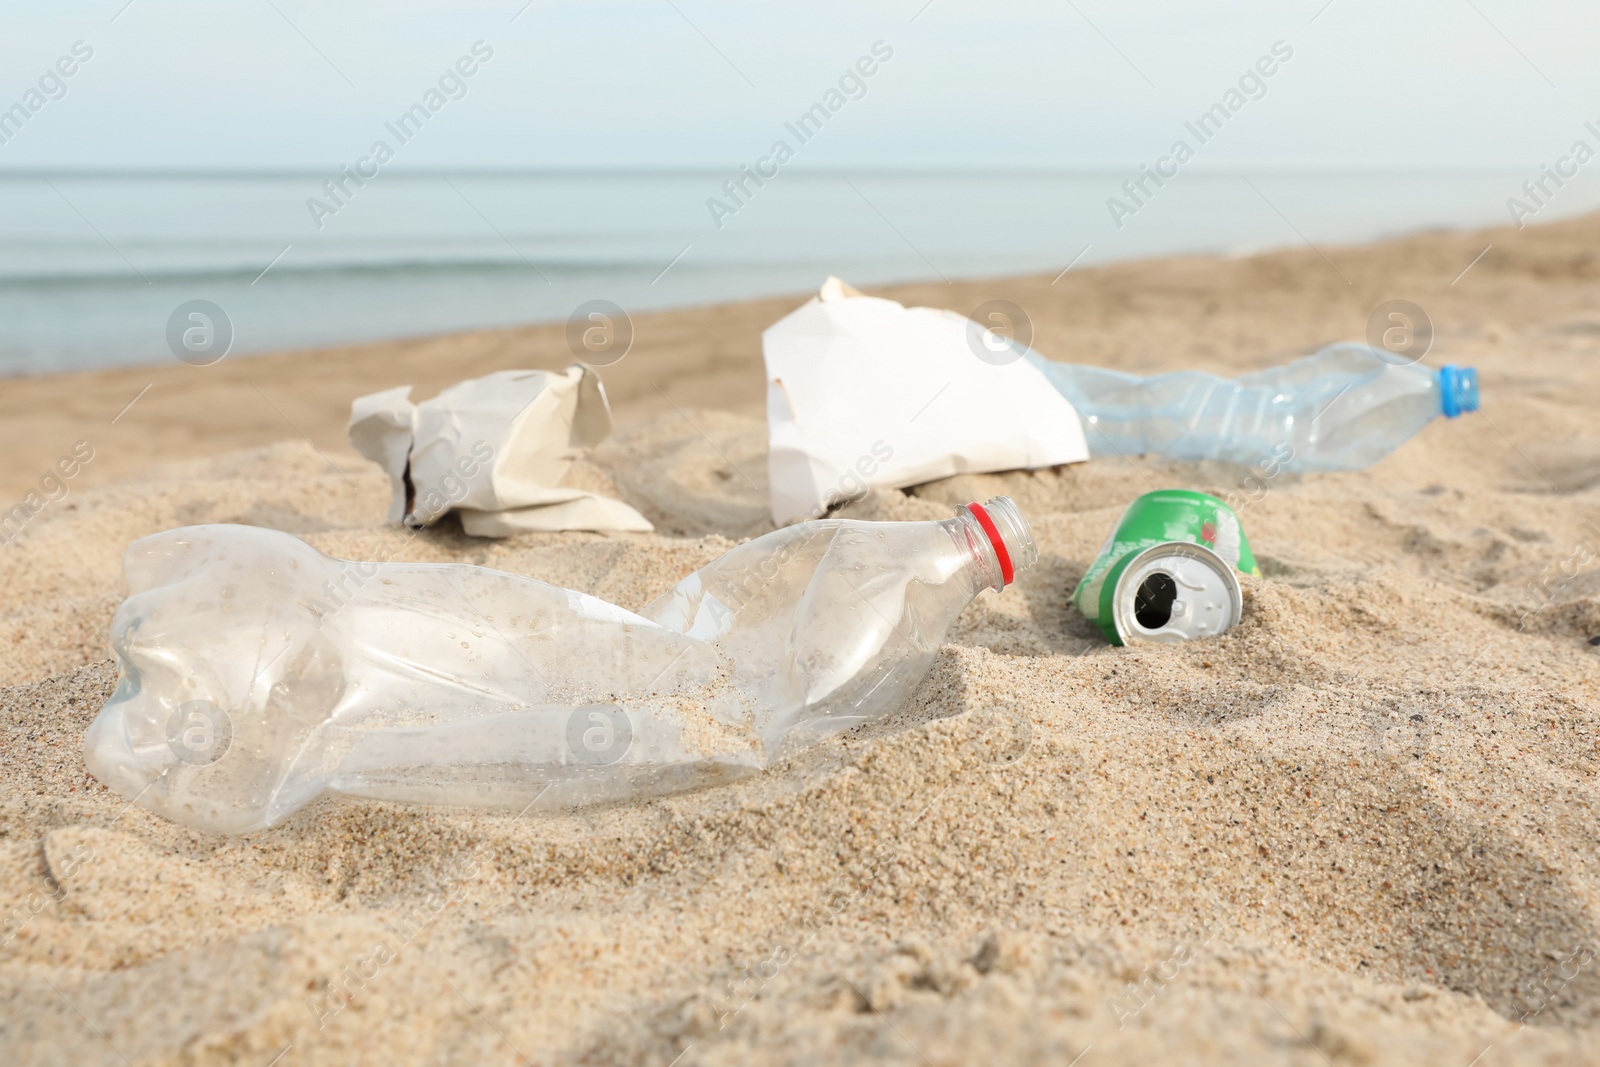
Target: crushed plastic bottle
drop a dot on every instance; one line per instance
(1342, 408)
(258, 674)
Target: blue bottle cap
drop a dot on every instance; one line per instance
(1458, 389)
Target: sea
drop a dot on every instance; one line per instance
(94, 267)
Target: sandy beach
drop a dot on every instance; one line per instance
(1362, 828)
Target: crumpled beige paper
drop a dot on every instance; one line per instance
(864, 392)
(493, 449)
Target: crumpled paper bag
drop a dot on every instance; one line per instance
(867, 393)
(494, 449)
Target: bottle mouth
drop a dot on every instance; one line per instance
(1458, 390)
(1008, 533)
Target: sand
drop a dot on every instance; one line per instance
(1361, 828)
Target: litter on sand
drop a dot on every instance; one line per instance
(866, 393)
(495, 450)
(1343, 407)
(258, 674)
(1169, 572)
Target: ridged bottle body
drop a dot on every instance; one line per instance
(1342, 408)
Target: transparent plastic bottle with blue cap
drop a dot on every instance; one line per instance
(1342, 408)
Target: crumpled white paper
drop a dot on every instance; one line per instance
(867, 393)
(494, 449)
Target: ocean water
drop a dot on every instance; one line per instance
(93, 266)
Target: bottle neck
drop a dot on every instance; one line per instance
(995, 541)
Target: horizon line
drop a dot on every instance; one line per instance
(589, 170)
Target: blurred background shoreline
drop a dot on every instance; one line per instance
(93, 263)
(1222, 314)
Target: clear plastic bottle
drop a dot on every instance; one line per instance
(258, 674)
(1342, 408)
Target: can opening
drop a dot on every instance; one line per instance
(1173, 591)
(1152, 603)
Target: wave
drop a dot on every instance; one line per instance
(119, 273)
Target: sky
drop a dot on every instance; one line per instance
(296, 84)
